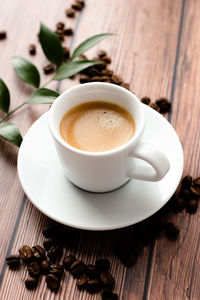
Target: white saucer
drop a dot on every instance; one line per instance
(44, 183)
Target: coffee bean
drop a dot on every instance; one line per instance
(70, 13)
(91, 271)
(116, 79)
(102, 265)
(66, 53)
(191, 206)
(68, 261)
(31, 283)
(82, 281)
(48, 70)
(146, 100)
(25, 252)
(54, 252)
(107, 280)
(60, 25)
(45, 266)
(84, 79)
(107, 72)
(82, 2)
(68, 31)
(34, 269)
(93, 286)
(195, 190)
(171, 231)
(83, 56)
(106, 59)
(186, 182)
(196, 182)
(52, 281)
(77, 268)
(101, 53)
(185, 194)
(38, 252)
(108, 295)
(125, 85)
(3, 35)
(32, 49)
(56, 270)
(178, 204)
(164, 105)
(77, 6)
(48, 243)
(13, 261)
(154, 106)
(129, 259)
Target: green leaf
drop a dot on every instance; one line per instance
(4, 96)
(43, 96)
(73, 67)
(11, 133)
(89, 43)
(26, 70)
(51, 45)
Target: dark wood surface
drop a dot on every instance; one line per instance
(156, 50)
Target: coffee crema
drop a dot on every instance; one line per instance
(97, 126)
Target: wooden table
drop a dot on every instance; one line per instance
(157, 50)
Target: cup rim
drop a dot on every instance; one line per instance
(67, 146)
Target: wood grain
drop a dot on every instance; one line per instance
(145, 52)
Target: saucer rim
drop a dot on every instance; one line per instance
(102, 228)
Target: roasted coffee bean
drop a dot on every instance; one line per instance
(93, 286)
(129, 259)
(107, 72)
(195, 190)
(146, 100)
(191, 206)
(3, 35)
(178, 204)
(106, 59)
(82, 2)
(185, 194)
(68, 31)
(59, 32)
(25, 252)
(102, 53)
(66, 53)
(107, 280)
(77, 6)
(171, 231)
(154, 106)
(38, 252)
(70, 13)
(108, 295)
(91, 272)
(164, 105)
(102, 265)
(82, 281)
(32, 49)
(48, 70)
(96, 78)
(125, 85)
(31, 283)
(77, 268)
(83, 56)
(34, 269)
(196, 182)
(60, 25)
(186, 182)
(48, 243)
(13, 261)
(68, 261)
(45, 266)
(54, 252)
(56, 270)
(116, 79)
(52, 281)
(84, 79)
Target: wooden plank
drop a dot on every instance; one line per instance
(21, 20)
(145, 43)
(176, 268)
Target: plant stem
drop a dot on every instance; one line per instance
(46, 83)
(11, 112)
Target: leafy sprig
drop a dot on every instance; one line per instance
(28, 72)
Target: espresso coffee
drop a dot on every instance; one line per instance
(97, 126)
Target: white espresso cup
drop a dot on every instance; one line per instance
(106, 171)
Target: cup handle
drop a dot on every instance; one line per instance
(159, 163)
